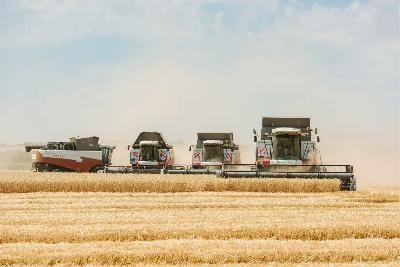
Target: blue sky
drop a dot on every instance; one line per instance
(115, 68)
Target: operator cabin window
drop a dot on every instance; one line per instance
(104, 150)
(148, 153)
(212, 153)
(287, 147)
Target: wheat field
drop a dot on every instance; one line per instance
(46, 219)
(26, 182)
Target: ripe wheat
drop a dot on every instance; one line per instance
(202, 252)
(25, 182)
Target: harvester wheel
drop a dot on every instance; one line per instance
(353, 184)
(68, 146)
(39, 167)
(96, 169)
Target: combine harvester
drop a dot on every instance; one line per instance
(210, 153)
(286, 148)
(77, 155)
(150, 153)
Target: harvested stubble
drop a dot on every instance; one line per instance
(201, 252)
(335, 228)
(380, 196)
(88, 217)
(25, 182)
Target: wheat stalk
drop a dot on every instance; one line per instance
(25, 182)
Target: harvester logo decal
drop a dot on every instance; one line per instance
(227, 155)
(307, 148)
(163, 154)
(264, 151)
(197, 155)
(135, 153)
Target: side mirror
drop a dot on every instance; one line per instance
(255, 138)
(318, 139)
(129, 147)
(316, 131)
(190, 148)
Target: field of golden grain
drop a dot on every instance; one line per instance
(79, 219)
(28, 182)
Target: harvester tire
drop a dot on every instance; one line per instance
(96, 169)
(353, 184)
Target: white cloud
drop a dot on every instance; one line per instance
(54, 22)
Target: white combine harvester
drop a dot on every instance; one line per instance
(150, 153)
(210, 153)
(287, 148)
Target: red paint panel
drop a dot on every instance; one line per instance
(85, 166)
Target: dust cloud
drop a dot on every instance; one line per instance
(377, 170)
(171, 104)
(14, 157)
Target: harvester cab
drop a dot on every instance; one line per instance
(214, 149)
(106, 153)
(152, 151)
(286, 141)
(79, 155)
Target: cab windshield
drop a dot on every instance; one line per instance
(148, 153)
(106, 155)
(286, 147)
(212, 153)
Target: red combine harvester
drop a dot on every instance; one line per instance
(77, 155)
